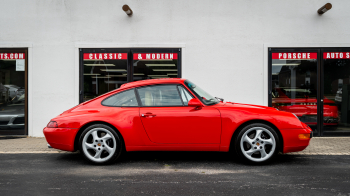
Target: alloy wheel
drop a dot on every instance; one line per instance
(258, 144)
(99, 144)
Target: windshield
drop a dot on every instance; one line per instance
(201, 94)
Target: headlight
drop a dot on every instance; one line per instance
(276, 109)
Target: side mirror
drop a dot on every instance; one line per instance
(195, 103)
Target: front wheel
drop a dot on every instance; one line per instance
(100, 144)
(257, 143)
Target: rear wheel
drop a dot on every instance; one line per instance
(100, 144)
(257, 143)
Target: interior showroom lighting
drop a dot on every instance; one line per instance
(159, 77)
(122, 70)
(160, 65)
(117, 75)
(101, 76)
(288, 64)
(91, 74)
(164, 69)
(99, 64)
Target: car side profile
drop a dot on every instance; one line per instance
(174, 115)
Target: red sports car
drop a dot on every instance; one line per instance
(303, 107)
(174, 115)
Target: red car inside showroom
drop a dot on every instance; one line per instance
(174, 115)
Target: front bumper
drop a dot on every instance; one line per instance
(291, 140)
(61, 138)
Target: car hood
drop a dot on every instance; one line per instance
(242, 105)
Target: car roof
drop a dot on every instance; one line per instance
(152, 81)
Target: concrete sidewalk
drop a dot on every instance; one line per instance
(318, 146)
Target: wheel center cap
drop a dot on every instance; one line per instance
(98, 144)
(257, 144)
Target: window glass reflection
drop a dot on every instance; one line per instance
(155, 65)
(160, 95)
(294, 88)
(336, 115)
(103, 72)
(12, 98)
(123, 99)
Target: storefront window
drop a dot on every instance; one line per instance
(336, 114)
(155, 65)
(103, 72)
(12, 92)
(294, 85)
(105, 69)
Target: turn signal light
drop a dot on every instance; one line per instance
(52, 124)
(304, 136)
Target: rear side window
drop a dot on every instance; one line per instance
(160, 95)
(123, 99)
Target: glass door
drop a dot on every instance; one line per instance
(293, 84)
(153, 64)
(13, 91)
(336, 90)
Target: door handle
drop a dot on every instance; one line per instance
(150, 115)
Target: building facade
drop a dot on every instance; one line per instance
(55, 54)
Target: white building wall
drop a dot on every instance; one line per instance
(224, 40)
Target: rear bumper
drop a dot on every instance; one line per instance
(291, 141)
(61, 138)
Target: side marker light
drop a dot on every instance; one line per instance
(304, 136)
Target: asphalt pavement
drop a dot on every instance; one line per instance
(173, 173)
(28, 167)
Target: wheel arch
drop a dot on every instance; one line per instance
(77, 136)
(235, 133)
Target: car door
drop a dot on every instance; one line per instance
(167, 119)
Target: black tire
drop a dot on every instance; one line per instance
(267, 133)
(88, 153)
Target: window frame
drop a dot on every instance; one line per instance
(137, 99)
(192, 96)
(168, 84)
(130, 68)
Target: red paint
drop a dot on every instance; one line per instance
(294, 55)
(9, 56)
(105, 56)
(155, 56)
(182, 125)
(187, 128)
(336, 55)
(195, 103)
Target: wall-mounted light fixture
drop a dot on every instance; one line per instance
(127, 10)
(324, 8)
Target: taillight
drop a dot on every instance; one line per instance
(52, 124)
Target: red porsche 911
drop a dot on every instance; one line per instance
(174, 115)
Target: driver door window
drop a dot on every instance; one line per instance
(160, 95)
